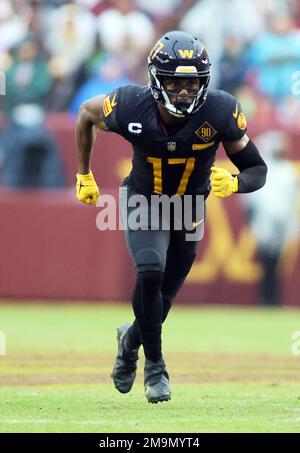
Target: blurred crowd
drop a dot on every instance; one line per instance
(58, 53)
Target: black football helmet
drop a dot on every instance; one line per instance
(178, 54)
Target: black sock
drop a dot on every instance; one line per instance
(133, 338)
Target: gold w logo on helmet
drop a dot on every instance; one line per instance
(186, 53)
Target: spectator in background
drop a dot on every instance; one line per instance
(273, 212)
(275, 55)
(13, 28)
(163, 14)
(95, 59)
(212, 20)
(166, 14)
(126, 33)
(29, 152)
(19, 19)
(70, 34)
(33, 13)
(122, 22)
(232, 64)
(109, 75)
(28, 79)
(70, 39)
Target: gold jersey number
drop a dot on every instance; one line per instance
(157, 172)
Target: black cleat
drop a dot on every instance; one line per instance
(124, 371)
(156, 381)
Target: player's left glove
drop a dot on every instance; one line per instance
(223, 183)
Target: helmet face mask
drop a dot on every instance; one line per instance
(179, 57)
(183, 92)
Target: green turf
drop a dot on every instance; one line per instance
(231, 370)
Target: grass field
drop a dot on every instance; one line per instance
(231, 370)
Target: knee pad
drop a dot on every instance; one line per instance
(150, 280)
(149, 259)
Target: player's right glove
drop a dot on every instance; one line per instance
(87, 190)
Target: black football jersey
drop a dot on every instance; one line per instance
(177, 161)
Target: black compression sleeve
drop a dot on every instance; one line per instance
(252, 167)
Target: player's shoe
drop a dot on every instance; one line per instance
(156, 381)
(124, 371)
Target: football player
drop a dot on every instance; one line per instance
(175, 126)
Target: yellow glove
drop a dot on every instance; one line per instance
(223, 184)
(87, 190)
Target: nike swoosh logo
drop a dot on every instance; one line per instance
(199, 147)
(195, 224)
(235, 114)
(113, 102)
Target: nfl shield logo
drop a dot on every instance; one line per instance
(171, 146)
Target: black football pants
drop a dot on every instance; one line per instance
(162, 259)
